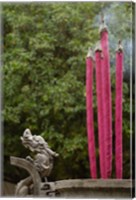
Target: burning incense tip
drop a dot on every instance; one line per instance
(90, 53)
(120, 47)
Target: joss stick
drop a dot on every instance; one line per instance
(118, 112)
(107, 107)
(90, 118)
(99, 93)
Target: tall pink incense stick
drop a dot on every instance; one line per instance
(118, 112)
(90, 120)
(99, 92)
(107, 107)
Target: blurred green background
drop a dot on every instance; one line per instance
(44, 50)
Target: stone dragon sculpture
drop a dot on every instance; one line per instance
(42, 161)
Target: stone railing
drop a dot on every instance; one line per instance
(77, 188)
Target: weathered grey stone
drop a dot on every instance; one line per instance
(89, 188)
(38, 167)
(33, 179)
(43, 159)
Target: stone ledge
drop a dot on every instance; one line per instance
(93, 183)
(90, 188)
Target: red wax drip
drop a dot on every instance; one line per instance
(118, 115)
(99, 92)
(90, 120)
(107, 107)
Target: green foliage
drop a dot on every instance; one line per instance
(44, 48)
